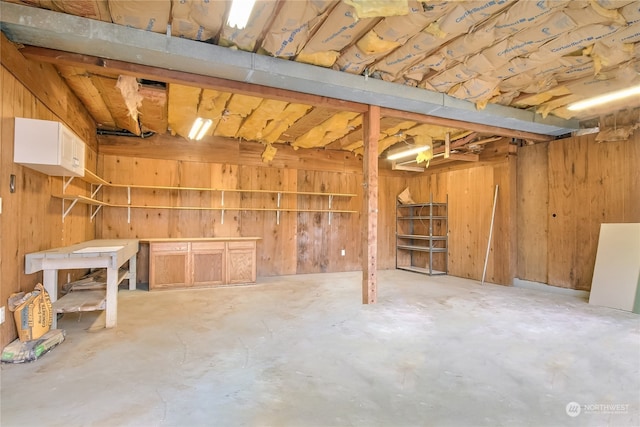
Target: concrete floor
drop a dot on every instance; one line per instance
(303, 351)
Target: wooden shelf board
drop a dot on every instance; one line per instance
(422, 205)
(92, 178)
(81, 301)
(421, 248)
(81, 199)
(230, 190)
(438, 217)
(421, 270)
(231, 208)
(421, 237)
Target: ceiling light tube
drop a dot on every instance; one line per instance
(409, 152)
(603, 99)
(195, 128)
(240, 13)
(203, 130)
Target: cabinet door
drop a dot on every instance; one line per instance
(208, 263)
(67, 141)
(169, 265)
(241, 262)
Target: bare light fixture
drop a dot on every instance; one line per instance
(200, 128)
(604, 99)
(408, 152)
(240, 13)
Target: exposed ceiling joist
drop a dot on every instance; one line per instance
(100, 65)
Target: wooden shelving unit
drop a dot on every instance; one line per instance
(422, 237)
(97, 183)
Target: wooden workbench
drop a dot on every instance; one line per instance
(110, 254)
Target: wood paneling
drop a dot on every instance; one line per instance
(470, 193)
(46, 86)
(502, 263)
(31, 219)
(533, 212)
(587, 183)
(569, 208)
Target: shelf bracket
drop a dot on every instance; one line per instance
(129, 205)
(95, 212)
(222, 204)
(66, 183)
(330, 204)
(66, 212)
(94, 192)
(278, 211)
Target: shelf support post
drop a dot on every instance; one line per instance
(371, 129)
(222, 204)
(278, 211)
(330, 203)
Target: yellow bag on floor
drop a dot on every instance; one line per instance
(32, 312)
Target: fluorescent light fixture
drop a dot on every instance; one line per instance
(603, 99)
(408, 152)
(240, 13)
(200, 128)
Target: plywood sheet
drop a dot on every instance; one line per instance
(80, 82)
(616, 277)
(568, 201)
(532, 212)
(314, 118)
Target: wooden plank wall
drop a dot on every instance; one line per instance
(567, 188)
(470, 190)
(31, 220)
(306, 242)
(301, 243)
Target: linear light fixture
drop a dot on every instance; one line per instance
(408, 152)
(200, 128)
(604, 99)
(240, 13)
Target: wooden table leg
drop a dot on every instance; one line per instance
(50, 279)
(132, 273)
(111, 309)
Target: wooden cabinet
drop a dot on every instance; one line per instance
(48, 147)
(201, 262)
(169, 265)
(241, 262)
(208, 263)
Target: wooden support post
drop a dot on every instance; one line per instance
(371, 129)
(447, 145)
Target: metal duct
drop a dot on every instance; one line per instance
(44, 28)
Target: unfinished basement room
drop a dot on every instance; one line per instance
(320, 213)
